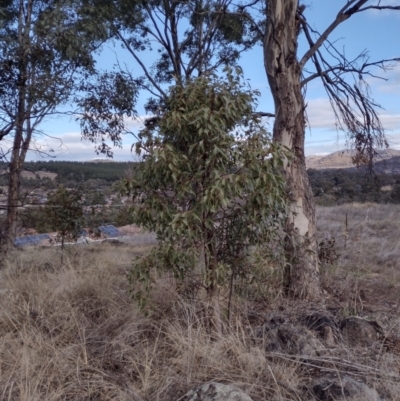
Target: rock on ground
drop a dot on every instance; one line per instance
(216, 392)
(358, 331)
(289, 339)
(331, 387)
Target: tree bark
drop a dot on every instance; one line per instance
(15, 167)
(284, 73)
(211, 264)
(20, 146)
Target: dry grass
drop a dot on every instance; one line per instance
(71, 331)
(369, 262)
(365, 280)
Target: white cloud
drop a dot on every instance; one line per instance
(71, 146)
(320, 114)
(392, 85)
(393, 139)
(390, 121)
(135, 123)
(324, 138)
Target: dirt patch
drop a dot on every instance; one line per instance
(130, 229)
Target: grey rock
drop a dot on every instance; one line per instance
(331, 387)
(290, 339)
(358, 331)
(216, 392)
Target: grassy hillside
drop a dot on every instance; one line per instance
(72, 332)
(343, 159)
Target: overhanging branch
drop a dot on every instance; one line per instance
(354, 109)
(146, 72)
(352, 7)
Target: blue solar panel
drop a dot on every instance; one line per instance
(21, 241)
(31, 239)
(109, 231)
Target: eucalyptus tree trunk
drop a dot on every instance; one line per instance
(13, 199)
(20, 144)
(211, 265)
(21, 141)
(284, 73)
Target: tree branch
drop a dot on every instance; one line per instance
(354, 109)
(343, 69)
(380, 8)
(263, 114)
(148, 76)
(343, 15)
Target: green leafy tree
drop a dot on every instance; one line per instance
(45, 46)
(188, 39)
(64, 213)
(209, 184)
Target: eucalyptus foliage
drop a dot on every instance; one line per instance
(186, 39)
(46, 48)
(64, 212)
(209, 184)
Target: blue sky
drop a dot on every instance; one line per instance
(377, 31)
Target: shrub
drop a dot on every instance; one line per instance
(209, 184)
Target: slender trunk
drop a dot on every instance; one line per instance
(62, 249)
(13, 200)
(284, 73)
(213, 287)
(19, 144)
(215, 311)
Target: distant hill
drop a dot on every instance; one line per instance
(82, 171)
(388, 159)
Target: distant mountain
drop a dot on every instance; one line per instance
(388, 161)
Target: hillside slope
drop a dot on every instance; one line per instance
(342, 159)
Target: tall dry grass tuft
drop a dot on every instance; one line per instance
(71, 332)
